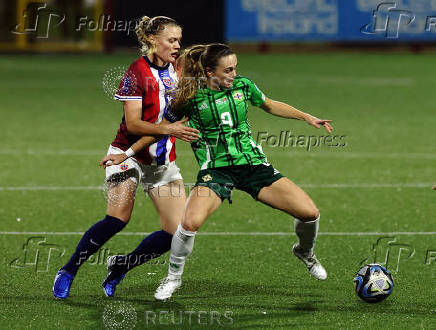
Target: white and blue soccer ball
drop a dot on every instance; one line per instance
(373, 283)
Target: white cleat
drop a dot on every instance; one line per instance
(166, 288)
(312, 263)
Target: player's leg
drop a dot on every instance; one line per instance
(169, 201)
(168, 197)
(120, 205)
(121, 185)
(285, 195)
(202, 202)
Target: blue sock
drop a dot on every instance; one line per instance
(153, 246)
(93, 240)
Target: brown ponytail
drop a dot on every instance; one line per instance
(195, 62)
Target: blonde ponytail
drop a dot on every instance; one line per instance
(142, 36)
(151, 26)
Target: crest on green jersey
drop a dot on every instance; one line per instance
(238, 96)
(207, 177)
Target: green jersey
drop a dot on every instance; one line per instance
(221, 118)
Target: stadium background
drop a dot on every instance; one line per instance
(344, 60)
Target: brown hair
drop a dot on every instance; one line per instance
(152, 26)
(195, 62)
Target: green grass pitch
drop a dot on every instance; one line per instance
(56, 123)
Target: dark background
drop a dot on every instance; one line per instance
(202, 21)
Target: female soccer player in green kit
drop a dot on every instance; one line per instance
(215, 100)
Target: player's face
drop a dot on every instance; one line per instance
(224, 73)
(168, 44)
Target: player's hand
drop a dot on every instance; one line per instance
(182, 132)
(434, 187)
(316, 122)
(113, 159)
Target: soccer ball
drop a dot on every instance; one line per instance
(373, 283)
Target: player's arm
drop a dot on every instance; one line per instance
(284, 110)
(137, 126)
(142, 143)
(138, 146)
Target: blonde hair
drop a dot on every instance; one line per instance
(151, 26)
(195, 62)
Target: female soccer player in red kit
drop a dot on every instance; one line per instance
(146, 92)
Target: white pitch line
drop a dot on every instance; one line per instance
(303, 185)
(38, 188)
(290, 152)
(75, 233)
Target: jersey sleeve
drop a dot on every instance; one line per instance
(257, 98)
(130, 88)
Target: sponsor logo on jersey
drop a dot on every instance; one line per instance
(207, 177)
(124, 167)
(203, 106)
(238, 96)
(221, 101)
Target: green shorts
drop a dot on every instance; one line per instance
(248, 178)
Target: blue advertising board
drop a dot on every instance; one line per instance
(330, 20)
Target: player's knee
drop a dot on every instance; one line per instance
(122, 214)
(309, 214)
(191, 221)
(190, 225)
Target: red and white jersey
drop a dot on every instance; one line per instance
(151, 84)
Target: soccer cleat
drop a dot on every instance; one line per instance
(113, 278)
(312, 263)
(166, 288)
(62, 284)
